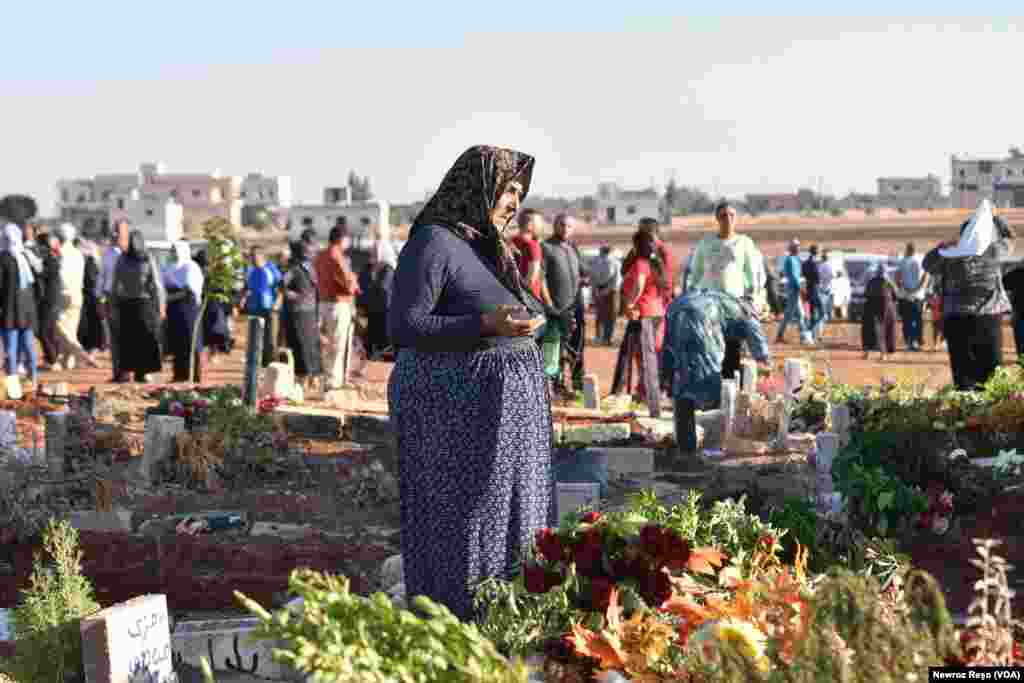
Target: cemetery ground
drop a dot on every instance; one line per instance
(328, 499)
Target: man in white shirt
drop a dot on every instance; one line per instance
(72, 277)
(728, 262)
(118, 244)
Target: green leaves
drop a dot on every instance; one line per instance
(342, 636)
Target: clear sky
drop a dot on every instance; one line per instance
(631, 93)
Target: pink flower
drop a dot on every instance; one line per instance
(177, 409)
(940, 524)
(202, 404)
(946, 501)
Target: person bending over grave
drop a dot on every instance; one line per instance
(468, 396)
(699, 325)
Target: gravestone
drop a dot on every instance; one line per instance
(161, 431)
(56, 431)
(827, 448)
(782, 415)
(392, 572)
(571, 496)
(627, 462)
(728, 405)
(311, 422)
(129, 643)
(793, 375)
(841, 423)
(748, 377)
(6, 626)
(598, 433)
(591, 392)
(229, 646)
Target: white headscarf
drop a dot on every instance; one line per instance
(184, 272)
(385, 253)
(12, 243)
(977, 236)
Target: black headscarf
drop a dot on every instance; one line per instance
(467, 195)
(136, 246)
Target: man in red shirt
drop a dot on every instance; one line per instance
(337, 287)
(529, 256)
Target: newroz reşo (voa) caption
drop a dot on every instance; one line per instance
(976, 673)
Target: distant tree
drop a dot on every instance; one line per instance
(808, 199)
(671, 195)
(361, 191)
(1016, 153)
(18, 208)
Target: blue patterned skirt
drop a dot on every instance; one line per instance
(474, 461)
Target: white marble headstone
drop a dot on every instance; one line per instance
(129, 643)
(748, 377)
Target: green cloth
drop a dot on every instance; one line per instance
(733, 266)
(551, 346)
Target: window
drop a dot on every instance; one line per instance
(963, 173)
(243, 194)
(106, 195)
(630, 210)
(81, 198)
(197, 193)
(174, 193)
(271, 194)
(149, 212)
(896, 188)
(120, 204)
(364, 221)
(261, 194)
(1009, 172)
(307, 222)
(64, 195)
(984, 167)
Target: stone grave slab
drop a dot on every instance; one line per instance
(628, 462)
(288, 532)
(570, 496)
(96, 520)
(392, 572)
(129, 643)
(597, 433)
(161, 431)
(375, 429)
(311, 422)
(657, 428)
(229, 645)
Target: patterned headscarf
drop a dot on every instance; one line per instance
(467, 195)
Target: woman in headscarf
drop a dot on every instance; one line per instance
(468, 396)
(973, 298)
(183, 281)
(373, 299)
(17, 298)
(878, 322)
(643, 297)
(90, 329)
(301, 301)
(48, 300)
(216, 330)
(138, 293)
(698, 326)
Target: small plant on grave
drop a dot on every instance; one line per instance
(23, 515)
(877, 501)
(340, 636)
(989, 637)
(800, 520)
(223, 264)
(47, 623)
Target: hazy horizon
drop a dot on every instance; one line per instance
(312, 90)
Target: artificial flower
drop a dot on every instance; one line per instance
(655, 587)
(587, 553)
(549, 545)
(591, 517)
(540, 580)
(600, 593)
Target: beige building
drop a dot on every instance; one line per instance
(91, 203)
(911, 193)
(1000, 179)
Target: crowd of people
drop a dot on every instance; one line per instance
(487, 329)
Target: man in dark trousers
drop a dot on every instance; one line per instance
(812, 279)
(563, 276)
(49, 298)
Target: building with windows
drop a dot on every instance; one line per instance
(1000, 179)
(773, 203)
(616, 206)
(91, 203)
(362, 217)
(911, 193)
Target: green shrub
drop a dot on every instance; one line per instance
(340, 636)
(46, 624)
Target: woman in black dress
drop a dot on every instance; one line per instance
(878, 323)
(184, 282)
(90, 330)
(300, 320)
(138, 293)
(468, 396)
